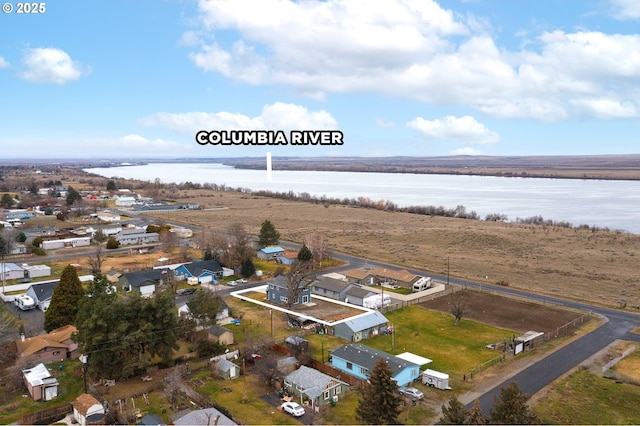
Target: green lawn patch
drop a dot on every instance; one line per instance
(70, 386)
(454, 349)
(584, 398)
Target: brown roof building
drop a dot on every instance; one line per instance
(45, 348)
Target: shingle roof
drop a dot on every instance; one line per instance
(44, 291)
(84, 402)
(331, 284)
(359, 292)
(218, 330)
(139, 278)
(359, 274)
(312, 381)
(196, 268)
(367, 357)
(203, 417)
(54, 339)
(400, 275)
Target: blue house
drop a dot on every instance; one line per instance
(278, 291)
(358, 360)
(270, 253)
(205, 271)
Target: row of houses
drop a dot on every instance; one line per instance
(13, 271)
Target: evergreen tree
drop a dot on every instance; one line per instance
(305, 255)
(511, 407)
(269, 236)
(111, 186)
(65, 300)
(112, 243)
(454, 413)
(204, 306)
(380, 401)
(6, 201)
(208, 254)
(248, 268)
(475, 416)
(72, 196)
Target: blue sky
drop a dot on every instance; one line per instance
(112, 79)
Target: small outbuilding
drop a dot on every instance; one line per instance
(227, 369)
(87, 410)
(297, 344)
(41, 385)
(220, 334)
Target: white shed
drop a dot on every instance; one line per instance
(435, 379)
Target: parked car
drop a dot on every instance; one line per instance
(293, 408)
(241, 281)
(412, 393)
(232, 283)
(185, 291)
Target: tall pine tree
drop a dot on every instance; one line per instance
(65, 300)
(269, 236)
(380, 401)
(453, 413)
(512, 408)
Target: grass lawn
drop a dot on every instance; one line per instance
(70, 386)
(584, 398)
(454, 349)
(244, 402)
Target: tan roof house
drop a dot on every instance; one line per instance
(45, 348)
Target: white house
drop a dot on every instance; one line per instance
(108, 216)
(125, 201)
(66, 242)
(11, 271)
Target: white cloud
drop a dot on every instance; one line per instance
(453, 129)
(605, 108)
(137, 145)
(465, 151)
(50, 65)
(626, 9)
(3, 63)
(277, 116)
(416, 49)
(381, 122)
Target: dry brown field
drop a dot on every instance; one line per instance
(505, 312)
(582, 264)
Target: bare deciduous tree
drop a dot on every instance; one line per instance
(240, 246)
(319, 247)
(96, 258)
(458, 305)
(173, 383)
(300, 276)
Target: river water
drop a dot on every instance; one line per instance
(603, 203)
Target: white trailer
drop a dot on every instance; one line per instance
(24, 302)
(435, 379)
(376, 301)
(422, 284)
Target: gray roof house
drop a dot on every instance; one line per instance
(145, 282)
(41, 293)
(331, 287)
(278, 291)
(11, 271)
(358, 360)
(207, 416)
(137, 236)
(313, 385)
(362, 326)
(356, 294)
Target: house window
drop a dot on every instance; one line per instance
(363, 371)
(414, 373)
(305, 299)
(284, 299)
(325, 394)
(349, 365)
(338, 390)
(56, 353)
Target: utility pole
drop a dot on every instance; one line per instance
(447, 270)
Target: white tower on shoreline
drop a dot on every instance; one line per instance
(269, 175)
